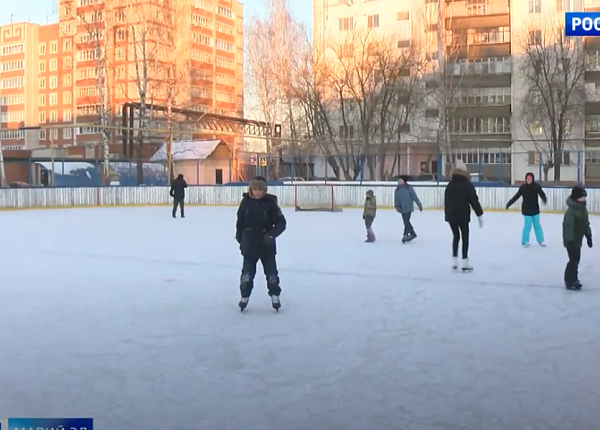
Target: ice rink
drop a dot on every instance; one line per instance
(130, 317)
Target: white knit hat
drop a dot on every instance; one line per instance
(461, 165)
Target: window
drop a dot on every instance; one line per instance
(67, 63)
(202, 39)
(404, 43)
(54, 47)
(481, 66)
(223, 11)
(53, 99)
(13, 65)
(43, 100)
(121, 34)
(224, 28)
(477, 7)
(54, 134)
(53, 82)
(42, 134)
(201, 21)
(120, 54)
(373, 21)
(535, 37)
(224, 46)
(346, 24)
(16, 99)
(403, 16)
(346, 132)
(12, 83)
(53, 116)
(536, 128)
(42, 117)
(53, 65)
(42, 83)
(85, 110)
(224, 96)
(67, 98)
(538, 158)
(13, 116)
(12, 134)
(535, 6)
(42, 67)
(67, 115)
(201, 56)
(479, 125)
(87, 55)
(224, 62)
(484, 156)
(482, 96)
(432, 113)
(67, 133)
(90, 91)
(66, 80)
(43, 49)
(120, 72)
(67, 45)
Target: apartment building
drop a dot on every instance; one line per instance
(482, 56)
(49, 73)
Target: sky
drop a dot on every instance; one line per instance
(43, 11)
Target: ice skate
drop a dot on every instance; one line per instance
(243, 303)
(275, 303)
(466, 267)
(370, 236)
(542, 244)
(526, 245)
(411, 236)
(576, 286)
(454, 263)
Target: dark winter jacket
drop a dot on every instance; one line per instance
(460, 196)
(258, 220)
(576, 223)
(370, 209)
(405, 199)
(530, 194)
(178, 187)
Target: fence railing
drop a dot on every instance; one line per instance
(432, 196)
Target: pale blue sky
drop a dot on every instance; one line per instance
(42, 11)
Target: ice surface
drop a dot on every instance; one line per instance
(130, 317)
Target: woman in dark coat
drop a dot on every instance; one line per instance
(460, 196)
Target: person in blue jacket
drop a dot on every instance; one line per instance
(531, 192)
(405, 199)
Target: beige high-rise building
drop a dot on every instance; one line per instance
(481, 46)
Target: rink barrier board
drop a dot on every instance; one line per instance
(344, 196)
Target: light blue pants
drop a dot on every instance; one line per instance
(537, 228)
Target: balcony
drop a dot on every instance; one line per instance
(478, 36)
(476, 8)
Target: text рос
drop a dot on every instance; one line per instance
(582, 24)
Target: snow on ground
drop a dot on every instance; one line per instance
(130, 317)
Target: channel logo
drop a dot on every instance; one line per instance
(582, 24)
(47, 423)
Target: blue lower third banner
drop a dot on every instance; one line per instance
(47, 424)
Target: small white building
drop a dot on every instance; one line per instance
(201, 162)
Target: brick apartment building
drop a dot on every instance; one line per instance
(48, 73)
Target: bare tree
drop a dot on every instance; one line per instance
(146, 28)
(95, 44)
(174, 70)
(271, 64)
(553, 68)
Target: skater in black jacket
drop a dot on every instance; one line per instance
(576, 226)
(460, 196)
(178, 187)
(259, 222)
(531, 192)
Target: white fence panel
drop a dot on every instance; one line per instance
(432, 196)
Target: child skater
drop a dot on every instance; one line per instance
(405, 199)
(369, 215)
(531, 192)
(259, 222)
(576, 226)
